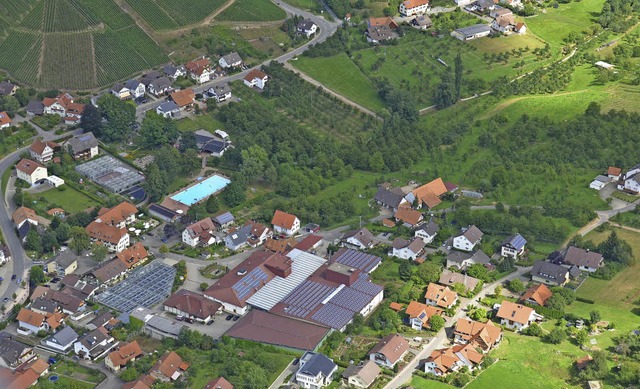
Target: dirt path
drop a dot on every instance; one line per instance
(625, 227)
(329, 91)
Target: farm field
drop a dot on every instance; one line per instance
(169, 14)
(340, 74)
(252, 11)
(554, 25)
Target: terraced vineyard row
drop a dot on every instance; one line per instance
(14, 10)
(143, 45)
(20, 55)
(33, 21)
(73, 53)
(195, 11)
(109, 12)
(252, 11)
(62, 16)
(153, 14)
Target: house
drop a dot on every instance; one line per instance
(114, 238)
(120, 91)
(199, 70)
(223, 220)
(444, 361)
(599, 182)
(200, 233)
(390, 198)
(498, 11)
(24, 215)
(94, 344)
(122, 354)
(309, 243)
(504, 23)
(216, 147)
(285, 223)
(585, 260)
(513, 246)
(7, 88)
(472, 32)
(34, 108)
(168, 110)
(361, 375)
(119, 216)
(173, 72)
(483, 336)
(427, 231)
(192, 305)
(218, 383)
(136, 88)
(256, 79)
(537, 295)
(520, 28)
(419, 314)
(43, 297)
(133, 256)
(306, 27)
(614, 173)
(408, 217)
(413, 7)
(361, 239)
(63, 340)
(463, 260)
(31, 171)
(184, 98)
(160, 86)
(30, 322)
(220, 92)
(169, 368)
(316, 370)
(12, 352)
(66, 262)
(24, 376)
(231, 60)
(109, 272)
(389, 351)
(549, 273)
(148, 78)
(428, 195)
(440, 296)
(449, 278)
(280, 245)
(42, 151)
(144, 382)
(515, 316)
(84, 146)
(468, 239)
(63, 106)
(5, 120)
(407, 249)
(381, 29)
(421, 22)
(485, 6)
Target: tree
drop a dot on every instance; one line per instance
(212, 205)
(49, 241)
(62, 232)
(582, 337)
(120, 116)
(594, 317)
(99, 252)
(164, 249)
(445, 94)
(234, 193)
(436, 323)
(203, 286)
(9, 104)
(156, 183)
(33, 241)
(428, 272)
(478, 314)
(517, 286)
(22, 95)
(458, 76)
(404, 271)
(36, 275)
(157, 130)
(597, 368)
(130, 374)
(498, 291)
(533, 330)
(556, 336)
(478, 271)
(188, 140)
(616, 249)
(91, 120)
(79, 240)
(555, 302)
(255, 161)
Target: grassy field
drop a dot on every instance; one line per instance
(252, 11)
(194, 123)
(341, 75)
(554, 25)
(69, 199)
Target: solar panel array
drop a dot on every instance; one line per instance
(365, 286)
(333, 316)
(518, 242)
(306, 297)
(359, 260)
(146, 286)
(249, 282)
(225, 218)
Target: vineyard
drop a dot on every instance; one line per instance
(12, 12)
(65, 16)
(153, 14)
(33, 21)
(168, 14)
(68, 61)
(252, 11)
(108, 12)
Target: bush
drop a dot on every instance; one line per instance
(516, 286)
(585, 300)
(533, 330)
(556, 336)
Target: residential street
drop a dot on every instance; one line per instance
(439, 340)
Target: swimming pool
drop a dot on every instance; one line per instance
(201, 190)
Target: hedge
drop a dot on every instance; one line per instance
(585, 300)
(547, 312)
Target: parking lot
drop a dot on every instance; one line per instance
(218, 328)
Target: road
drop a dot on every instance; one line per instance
(438, 341)
(325, 28)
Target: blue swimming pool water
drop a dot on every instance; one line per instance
(201, 190)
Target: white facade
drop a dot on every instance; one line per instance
(40, 173)
(403, 253)
(354, 241)
(462, 243)
(410, 8)
(288, 231)
(139, 91)
(122, 93)
(46, 156)
(227, 307)
(202, 78)
(256, 82)
(510, 252)
(28, 329)
(632, 184)
(426, 238)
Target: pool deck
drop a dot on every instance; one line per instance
(175, 205)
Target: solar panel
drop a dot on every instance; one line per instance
(225, 218)
(518, 242)
(363, 285)
(358, 260)
(351, 299)
(249, 282)
(333, 316)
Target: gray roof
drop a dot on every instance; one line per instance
(473, 234)
(549, 271)
(450, 278)
(102, 319)
(219, 90)
(164, 325)
(224, 218)
(580, 257)
(363, 236)
(305, 25)
(44, 305)
(160, 83)
(240, 236)
(92, 339)
(318, 363)
(232, 58)
(473, 30)
(422, 20)
(478, 257)
(80, 143)
(64, 337)
(169, 106)
(35, 107)
(516, 241)
(389, 197)
(381, 33)
(430, 228)
(117, 87)
(132, 84)
(171, 69)
(6, 88)
(11, 350)
(602, 178)
(66, 258)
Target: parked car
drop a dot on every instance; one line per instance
(188, 320)
(295, 361)
(180, 318)
(236, 317)
(210, 322)
(229, 317)
(13, 277)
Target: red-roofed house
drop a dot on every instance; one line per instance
(114, 238)
(413, 7)
(219, 383)
(122, 355)
(133, 256)
(42, 151)
(310, 242)
(199, 70)
(614, 173)
(200, 233)
(5, 120)
(64, 107)
(256, 78)
(169, 368)
(445, 361)
(31, 171)
(192, 305)
(119, 216)
(285, 223)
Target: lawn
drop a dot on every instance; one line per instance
(554, 25)
(66, 382)
(341, 75)
(68, 199)
(77, 372)
(194, 123)
(423, 383)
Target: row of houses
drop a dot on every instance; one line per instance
(628, 182)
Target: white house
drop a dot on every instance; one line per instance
(115, 239)
(168, 109)
(5, 120)
(306, 27)
(599, 182)
(136, 88)
(585, 260)
(120, 91)
(200, 233)
(472, 32)
(361, 239)
(427, 231)
(632, 183)
(285, 223)
(95, 344)
(515, 316)
(63, 340)
(405, 249)
(256, 78)
(444, 361)
(413, 7)
(173, 72)
(467, 240)
(31, 171)
(316, 371)
(199, 70)
(231, 60)
(42, 151)
(513, 246)
(30, 322)
(391, 349)
(220, 92)
(160, 86)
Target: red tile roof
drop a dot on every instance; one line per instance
(253, 74)
(117, 214)
(193, 304)
(104, 232)
(283, 219)
(4, 118)
(308, 242)
(539, 293)
(219, 383)
(133, 255)
(28, 166)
